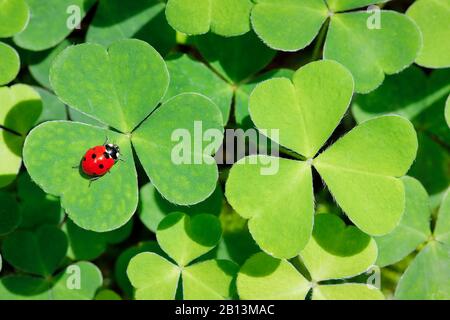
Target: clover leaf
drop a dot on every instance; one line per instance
(10, 217)
(367, 51)
(39, 252)
(21, 108)
(103, 87)
(144, 20)
(26, 287)
(121, 265)
(235, 58)
(121, 99)
(14, 15)
(89, 245)
(413, 229)
(335, 251)
(188, 75)
(432, 18)
(434, 257)
(36, 207)
(49, 23)
(39, 62)
(184, 239)
(421, 99)
(153, 207)
(223, 17)
(361, 169)
(9, 64)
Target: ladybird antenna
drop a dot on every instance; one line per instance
(106, 140)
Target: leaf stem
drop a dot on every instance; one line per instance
(10, 131)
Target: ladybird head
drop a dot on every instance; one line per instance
(113, 150)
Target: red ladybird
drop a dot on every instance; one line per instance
(100, 159)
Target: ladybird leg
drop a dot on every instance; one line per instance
(92, 180)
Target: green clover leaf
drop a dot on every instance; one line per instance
(144, 20)
(184, 239)
(89, 245)
(40, 62)
(335, 251)
(433, 18)
(108, 295)
(9, 64)
(368, 50)
(421, 99)
(51, 151)
(367, 161)
(188, 75)
(270, 18)
(14, 15)
(153, 207)
(112, 85)
(39, 252)
(154, 146)
(21, 108)
(235, 58)
(224, 17)
(45, 28)
(10, 217)
(36, 207)
(413, 229)
(121, 100)
(435, 258)
(121, 265)
(25, 287)
(343, 5)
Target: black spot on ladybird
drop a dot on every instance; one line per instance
(101, 166)
(93, 156)
(84, 158)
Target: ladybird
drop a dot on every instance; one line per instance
(100, 159)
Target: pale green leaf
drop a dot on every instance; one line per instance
(275, 21)
(427, 276)
(347, 291)
(414, 227)
(433, 19)
(341, 5)
(50, 22)
(337, 251)
(14, 15)
(223, 17)
(307, 110)
(121, 265)
(154, 277)
(242, 95)
(9, 63)
(263, 277)
(361, 171)
(186, 238)
(153, 207)
(442, 229)
(170, 145)
(21, 106)
(369, 53)
(281, 218)
(188, 75)
(111, 85)
(209, 280)
(51, 152)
